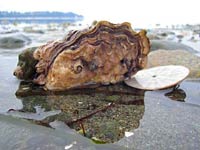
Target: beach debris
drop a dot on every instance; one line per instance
(97, 140)
(103, 54)
(128, 134)
(70, 145)
(157, 78)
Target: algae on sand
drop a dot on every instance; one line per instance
(104, 113)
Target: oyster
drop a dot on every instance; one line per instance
(103, 54)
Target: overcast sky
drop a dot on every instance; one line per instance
(139, 12)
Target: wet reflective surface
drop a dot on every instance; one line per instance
(166, 124)
(102, 114)
(32, 118)
(8, 84)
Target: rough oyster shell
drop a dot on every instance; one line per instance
(103, 54)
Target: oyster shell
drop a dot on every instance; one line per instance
(103, 54)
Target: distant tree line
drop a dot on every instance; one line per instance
(6, 14)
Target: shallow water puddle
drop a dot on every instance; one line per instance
(188, 92)
(103, 114)
(8, 84)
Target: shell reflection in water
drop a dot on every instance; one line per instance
(177, 95)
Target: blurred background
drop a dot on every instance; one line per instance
(140, 13)
(32, 23)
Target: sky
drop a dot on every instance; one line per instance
(140, 12)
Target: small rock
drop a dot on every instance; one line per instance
(175, 57)
(163, 34)
(14, 41)
(169, 45)
(153, 37)
(32, 30)
(196, 31)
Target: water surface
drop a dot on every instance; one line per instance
(163, 119)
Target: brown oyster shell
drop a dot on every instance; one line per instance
(103, 54)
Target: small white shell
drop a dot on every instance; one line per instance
(127, 134)
(158, 77)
